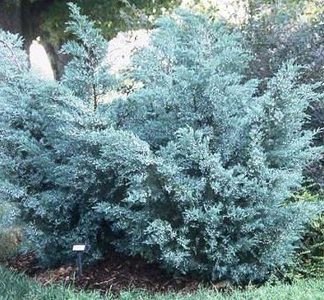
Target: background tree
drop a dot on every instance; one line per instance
(47, 18)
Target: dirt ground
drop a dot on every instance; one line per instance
(114, 273)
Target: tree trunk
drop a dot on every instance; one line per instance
(26, 17)
(10, 16)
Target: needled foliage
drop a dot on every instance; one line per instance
(191, 170)
(225, 159)
(51, 144)
(37, 117)
(86, 74)
(275, 33)
(287, 30)
(41, 131)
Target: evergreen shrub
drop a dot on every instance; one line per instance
(277, 32)
(191, 170)
(39, 125)
(224, 158)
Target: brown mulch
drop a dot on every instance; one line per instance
(115, 273)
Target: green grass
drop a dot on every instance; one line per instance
(17, 286)
(302, 290)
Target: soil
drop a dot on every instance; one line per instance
(114, 273)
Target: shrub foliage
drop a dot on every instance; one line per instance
(191, 170)
(290, 30)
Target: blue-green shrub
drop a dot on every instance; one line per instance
(191, 170)
(223, 159)
(40, 123)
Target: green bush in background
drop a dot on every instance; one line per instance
(310, 255)
(10, 234)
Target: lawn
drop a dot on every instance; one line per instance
(17, 286)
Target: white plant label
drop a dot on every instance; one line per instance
(78, 247)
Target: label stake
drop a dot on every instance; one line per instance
(79, 249)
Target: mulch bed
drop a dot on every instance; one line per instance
(115, 273)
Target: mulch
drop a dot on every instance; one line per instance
(114, 273)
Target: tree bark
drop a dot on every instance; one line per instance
(10, 16)
(25, 17)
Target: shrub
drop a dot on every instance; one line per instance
(191, 170)
(224, 160)
(286, 30)
(275, 33)
(39, 120)
(51, 139)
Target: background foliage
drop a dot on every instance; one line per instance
(283, 30)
